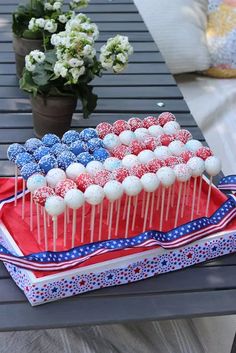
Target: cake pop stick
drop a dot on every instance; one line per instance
(168, 203)
(150, 183)
(16, 184)
(82, 224)
(183, 173)
(54, 206)
(213, 167)
(113, 191)
(65, 226)
(94, 195)
(100, 222)
(45, 230)
(117, 217)
(197, 166)
(166, 176)
(132, 187)
(125, 207)
(23, 200)
(184, 199)
(135, 211)
(158, 198)
(31, 212)
(143, 203)
(38, 223)
(199, 194)
(152, 209)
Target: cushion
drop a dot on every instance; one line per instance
(178, 27)
(221, 37)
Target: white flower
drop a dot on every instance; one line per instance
(118, 68)
(57, 5)
(55, 40)
(48, 6)
(62, 18)
(121, 57)
(30, 67)
(50, 26)
(38, 56)
(77, 72)
(60, 69)
(75, 62)
(31, 24)
(40, 22)
(89, 51)
(107, 63)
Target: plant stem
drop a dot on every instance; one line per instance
(44, 42)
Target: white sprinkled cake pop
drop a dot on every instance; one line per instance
(213, 165)
(150, 182)
(132, 185)
(130, 161)
(162, 152)
(111, 141)
(74, 170)
(197, 166)
(146, 156)
(166, 176)
(94, 166)
(35, 182)
(177, 147)
(54, 176)
(126, 137)
(94, 194)
(55, 205)
(74, 199)
(183, 172)
(155, 130)
(171, 127)
(113, 190)
(141, 133)
(193, 145)
(112, 163)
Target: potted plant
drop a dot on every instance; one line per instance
(34, 23)
(58, 77)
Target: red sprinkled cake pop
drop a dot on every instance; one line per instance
(149, 121)
(120, 174)
(135, 123)
(165, 139)
(102, 177)
(154, 165)
(172, 161)
(103, 129)
(41, 194)
(204, 153)
(121, 151)
(136, 147)
(165, 118)
(186, 155)
(83, 181)
(63, 186)
(151, 143)
(138, 170)
(183, 135)
(119, 126)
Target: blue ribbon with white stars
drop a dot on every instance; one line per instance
(228, 183)
(177, 237)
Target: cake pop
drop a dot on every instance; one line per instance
(111, 141)
(103, 129)
(54, 176)
(70, 137)
(63, 186)
(41, 152)
(120, 174)
(58, 148)
(138, 170)
(119, 126)
(84, 158)
(126, 137)
(101, 154)
(151, 143)
(87, 134)
(13, 151)
(204, 152)
(129, 161)
(23, 158)
(183, 135)
(213, 167)
(65, 159)
(32, 144)
(149, 121)
(83, 181)
(155, 130)
(102, 177)
(94, 144)
(197, 166)
(112, 163)
(121, 151)
(41, 194)
(136, 147)
(74, 170)
(50, 139)
(177, 147)
(78, 147)
(193, 145)
(166, 139)
(47, 162)
(141, 133)
(94, 166)
(150, 183)
(154, 165)
(162, 152)
(146, 156)
(165, 117)
(171, 127)
(135, 123)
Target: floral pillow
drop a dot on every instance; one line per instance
(221, 37)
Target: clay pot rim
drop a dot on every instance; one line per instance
(27, 39)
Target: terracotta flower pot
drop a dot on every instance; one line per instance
(52, 114)
(23, 47)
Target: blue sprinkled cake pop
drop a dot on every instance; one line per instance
(40, 152)
(32, 144)
(84, 158)
(65, 159)
(70, 136)
(13, 150)
(88, 134)
(58, 148)
(23, 158)
(94, 144)
(47, 163)
(29, 169)
(78, 147)
(101, 154)
(50, 139)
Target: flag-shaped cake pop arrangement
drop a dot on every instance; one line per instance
(115, 181)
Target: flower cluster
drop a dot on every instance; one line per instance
(78, 4)
(35, 57)
(82, 23)
(115, 53)
(37, 24)
(53, 5)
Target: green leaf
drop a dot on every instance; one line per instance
(40, 76)
(27, 83)
(32, 35)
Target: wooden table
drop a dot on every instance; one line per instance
(202, 290)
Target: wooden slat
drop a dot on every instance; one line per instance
(137, 57)
(110, 92)
(103, 9)
(106, 310)
(112, 80)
